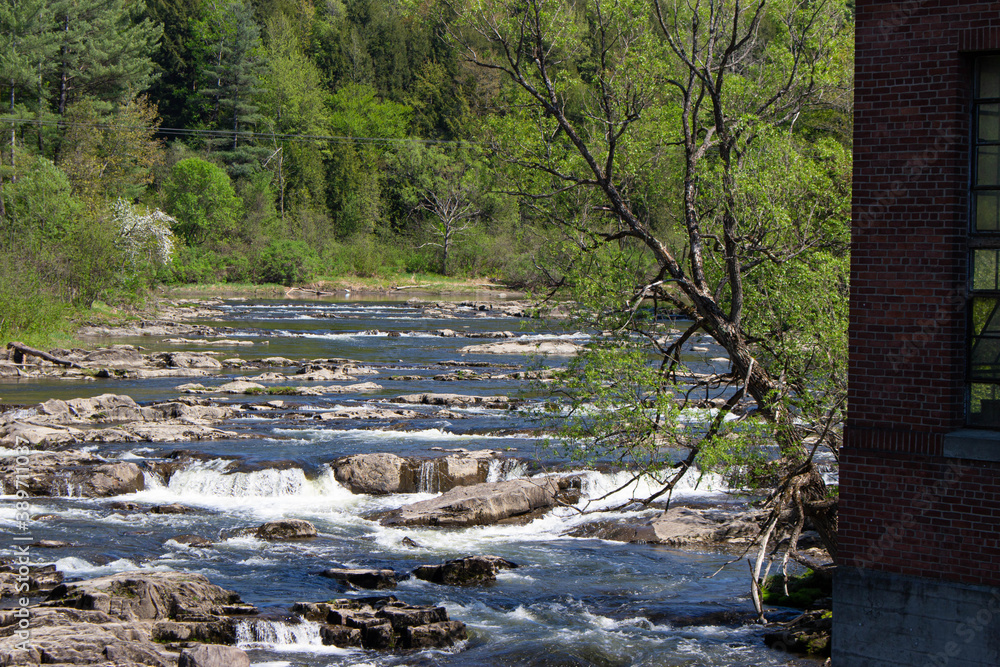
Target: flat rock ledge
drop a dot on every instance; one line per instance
(679, 527)
(480, 504)
(382, 623)
(58, 422)
(556, 348)
(127, 619)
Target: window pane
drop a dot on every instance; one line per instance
(984, 270)
(988, 121)
(987, 163)
(984, 405)
(985, 354)
(988, 78)
(987, 210)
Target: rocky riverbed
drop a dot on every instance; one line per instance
(329, 458)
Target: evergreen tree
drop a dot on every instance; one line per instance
(234, 85)
(105, 50)
(177, 60)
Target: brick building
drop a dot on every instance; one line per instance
(919, 576)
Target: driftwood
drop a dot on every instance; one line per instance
(20, 350)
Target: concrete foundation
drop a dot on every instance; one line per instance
(885, 620)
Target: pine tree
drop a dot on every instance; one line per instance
(105, 50)
(234, 86)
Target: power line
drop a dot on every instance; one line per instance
(226, 134)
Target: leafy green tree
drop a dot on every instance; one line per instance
(445, 190)
(178, 60)
(601, 94)
(354, 175)
(111, 157)
(40, 208)
(200, 196)
(296, 102)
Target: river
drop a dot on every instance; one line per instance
(571, 601)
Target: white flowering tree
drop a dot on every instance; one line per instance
(145, 238)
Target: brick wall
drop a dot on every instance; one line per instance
(904, 507)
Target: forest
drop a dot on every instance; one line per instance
(277, 141)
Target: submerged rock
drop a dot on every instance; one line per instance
(468, 571)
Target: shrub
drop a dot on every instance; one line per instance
(287, 262)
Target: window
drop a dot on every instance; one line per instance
(984, 311)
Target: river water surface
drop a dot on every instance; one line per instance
(571, 601)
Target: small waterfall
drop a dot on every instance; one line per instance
(502, 470)
(429, 477)
(210, 481)
(257, 632)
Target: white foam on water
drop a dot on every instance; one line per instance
(206, 484)
(81, 567)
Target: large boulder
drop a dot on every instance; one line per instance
(188, 360)
(116, 356)
(103, 408)
(384, 473)
(559, 348)
(455, 400)
(375, 474)
(378, 579)
(382, 623)
(477, 505)
(71, 474)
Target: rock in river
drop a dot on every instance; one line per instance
(478, 505)
(363, 578)
(286, 529)
(468, 571)
(384, 473)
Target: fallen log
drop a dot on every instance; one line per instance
(20, 350)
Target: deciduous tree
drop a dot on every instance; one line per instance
(667, 141)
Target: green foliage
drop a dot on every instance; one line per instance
(39, 205)
(622, 409)
(286, 262)
(202, 199)
(29, 307)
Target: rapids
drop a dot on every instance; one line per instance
(572, 602)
